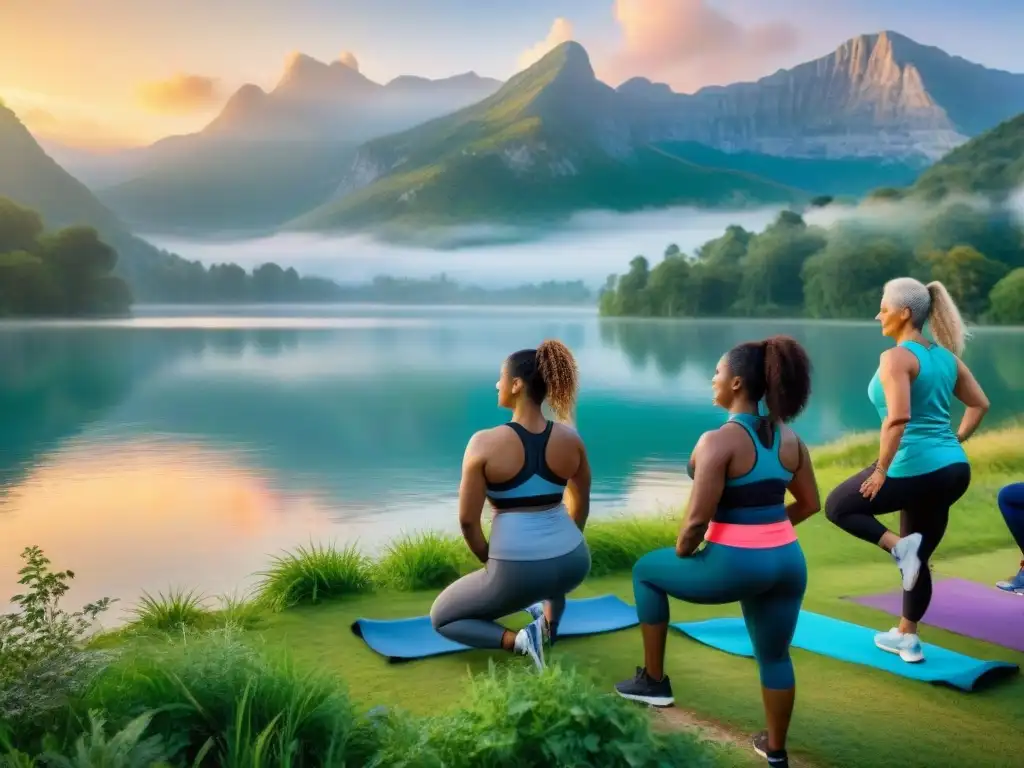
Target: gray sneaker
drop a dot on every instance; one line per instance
(905, 555)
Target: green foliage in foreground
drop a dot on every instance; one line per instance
(42, 662)
(215, 700)
(211, 695)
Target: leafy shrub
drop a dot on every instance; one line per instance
(555, 718)
(43, 664)
(127, 748)
(219, 702)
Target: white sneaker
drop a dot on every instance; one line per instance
(905, 555)
(530, 641)
(905, 645)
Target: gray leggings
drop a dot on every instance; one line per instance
(466, 611)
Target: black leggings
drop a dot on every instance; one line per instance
(922, 500)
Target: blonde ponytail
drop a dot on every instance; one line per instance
(947, 325)
(558, 369)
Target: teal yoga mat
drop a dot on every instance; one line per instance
(407, 639)
(855, 644)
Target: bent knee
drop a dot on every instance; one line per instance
(652, 563)
(837, 504)
(439, 615)
(777, 673)
(1011, 497)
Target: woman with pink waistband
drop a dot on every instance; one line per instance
(741, 472)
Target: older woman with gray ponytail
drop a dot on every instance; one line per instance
(922, 469)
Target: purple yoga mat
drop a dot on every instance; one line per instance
(967, 608)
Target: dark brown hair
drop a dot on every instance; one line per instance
(550, 373)
(777, 370)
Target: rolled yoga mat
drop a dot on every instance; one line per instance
(855, 644)
(407, 639)
(965, 607)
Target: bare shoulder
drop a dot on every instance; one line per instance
(716, 441)
(897, 360)
(790, 438)
(566, 432)
(483, 440)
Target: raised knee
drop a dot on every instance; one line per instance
(834, 506)
(1010, 497)
(652, 562)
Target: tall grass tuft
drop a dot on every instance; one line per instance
(310, 575)
(428, 560)
(615, 545)
(554, 718)
(221, 703)
(175, 611)
(238, 611)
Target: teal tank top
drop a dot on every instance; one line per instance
(759, 496)
(929, 442)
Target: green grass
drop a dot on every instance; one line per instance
(176, 610)
(312, 574)
(427, 560)
(846, 714)
(217, 701)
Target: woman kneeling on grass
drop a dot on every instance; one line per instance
(741, 472)
(537, 553)
(922, 469)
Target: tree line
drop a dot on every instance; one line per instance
(73, 272)
(63, 273)
(794, 269)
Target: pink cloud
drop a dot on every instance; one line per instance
(561, 32)
(689, 44)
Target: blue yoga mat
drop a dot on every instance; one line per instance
(855, 644)
(406, 639)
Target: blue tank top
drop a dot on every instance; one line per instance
(759, 496)
(535, 485)
(929, 442)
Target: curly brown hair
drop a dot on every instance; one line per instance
(777, 369)
(550, 373)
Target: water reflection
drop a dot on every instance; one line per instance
(144, 456)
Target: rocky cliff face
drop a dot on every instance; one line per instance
(880, 94)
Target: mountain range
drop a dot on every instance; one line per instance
(327, 148)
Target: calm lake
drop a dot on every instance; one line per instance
(184, 446)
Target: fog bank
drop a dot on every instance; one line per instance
(590, 247)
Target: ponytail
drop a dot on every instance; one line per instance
(557, 368)
(947, 325)
(550, 373)
(777, 370)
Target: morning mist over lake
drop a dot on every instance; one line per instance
(575, 355)
(589, 247)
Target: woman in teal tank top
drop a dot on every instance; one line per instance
(922, 469)
(741, 473)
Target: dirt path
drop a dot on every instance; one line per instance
(677, 718)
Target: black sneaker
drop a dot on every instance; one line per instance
(777, 758)
(656, 693)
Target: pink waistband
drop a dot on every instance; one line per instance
(764, 536)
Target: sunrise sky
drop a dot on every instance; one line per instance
(118, 72)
